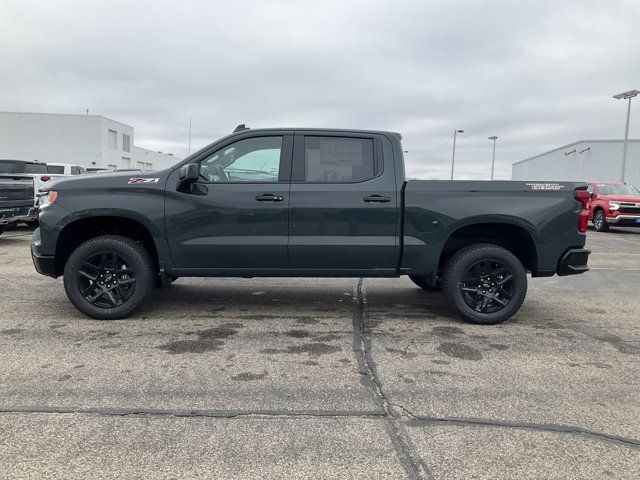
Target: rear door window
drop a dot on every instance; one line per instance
(56, 169)
(35, 168)
(338, 159)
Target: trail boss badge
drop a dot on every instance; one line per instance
(545, 186)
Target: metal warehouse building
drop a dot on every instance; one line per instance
(87, 140)
(586, 160)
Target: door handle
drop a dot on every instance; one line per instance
(376, 199)
(269, 197)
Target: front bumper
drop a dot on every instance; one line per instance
(18, 214)
(573, 261)
(624, 220)
(45, 264)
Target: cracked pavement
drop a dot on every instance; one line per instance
(322, 378)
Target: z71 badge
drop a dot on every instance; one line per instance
(144, 180)
(545, 186)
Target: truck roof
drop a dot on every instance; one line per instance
(242, 128)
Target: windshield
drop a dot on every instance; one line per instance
(617, 190)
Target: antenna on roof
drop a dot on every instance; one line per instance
(240, 128)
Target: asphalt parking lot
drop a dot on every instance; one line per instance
(322, 378)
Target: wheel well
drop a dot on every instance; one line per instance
(78, 232)
(515, 239)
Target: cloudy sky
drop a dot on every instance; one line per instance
(538, 74)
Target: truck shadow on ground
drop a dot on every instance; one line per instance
(256, 301)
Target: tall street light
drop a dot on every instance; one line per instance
(626, 96)
(453, 158)
(493, 158)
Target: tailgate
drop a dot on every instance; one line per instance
(15, 191)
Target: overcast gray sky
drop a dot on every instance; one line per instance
(538, 74)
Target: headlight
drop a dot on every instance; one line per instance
(47, 198)
(614, 206)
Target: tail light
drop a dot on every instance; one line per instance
(583, 197)
(45, 178)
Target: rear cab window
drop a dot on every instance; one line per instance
(35, 168)
(339, 159)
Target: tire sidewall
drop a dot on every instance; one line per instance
(131, 252)
(456, 274)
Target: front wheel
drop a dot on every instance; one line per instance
(108, 277)
(600, 221)
(486, 283)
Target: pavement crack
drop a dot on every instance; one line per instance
(217, 414)
(541, 427)
(362, 340)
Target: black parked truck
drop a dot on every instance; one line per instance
(306, 202)
(16, 200)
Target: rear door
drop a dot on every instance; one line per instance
(343, 209)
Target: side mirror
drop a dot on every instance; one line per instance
(188, 174)
(592, 195)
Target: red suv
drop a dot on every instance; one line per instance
(615, 204)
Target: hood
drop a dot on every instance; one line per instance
(622, 198)
(99, 180)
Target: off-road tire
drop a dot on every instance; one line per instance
(141, 263)
(462, 261)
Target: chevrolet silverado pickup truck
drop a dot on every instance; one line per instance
(16, 200)
(613, 204)
(306, 202)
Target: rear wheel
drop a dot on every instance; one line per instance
(600, 221)
(108, 277)
(423, 284)
(486, 283)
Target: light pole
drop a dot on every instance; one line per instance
(453, 158)
(626, 96)
(493, 158)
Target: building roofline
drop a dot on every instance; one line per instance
(573, 144)
(68, 115)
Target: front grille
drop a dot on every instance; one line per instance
(631, 210)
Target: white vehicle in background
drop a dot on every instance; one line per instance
(66, 169)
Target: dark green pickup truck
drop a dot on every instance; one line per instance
(306, 202)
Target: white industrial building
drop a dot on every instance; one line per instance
(586, 160)
(92, 141)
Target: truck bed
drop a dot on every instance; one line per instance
(545, 213)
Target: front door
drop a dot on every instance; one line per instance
(236, 215)
(343, 209)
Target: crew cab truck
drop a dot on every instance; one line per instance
(613, 204)
(306, 202)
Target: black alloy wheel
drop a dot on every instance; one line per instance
(487, 286)
(486, 283)
(106, 279)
